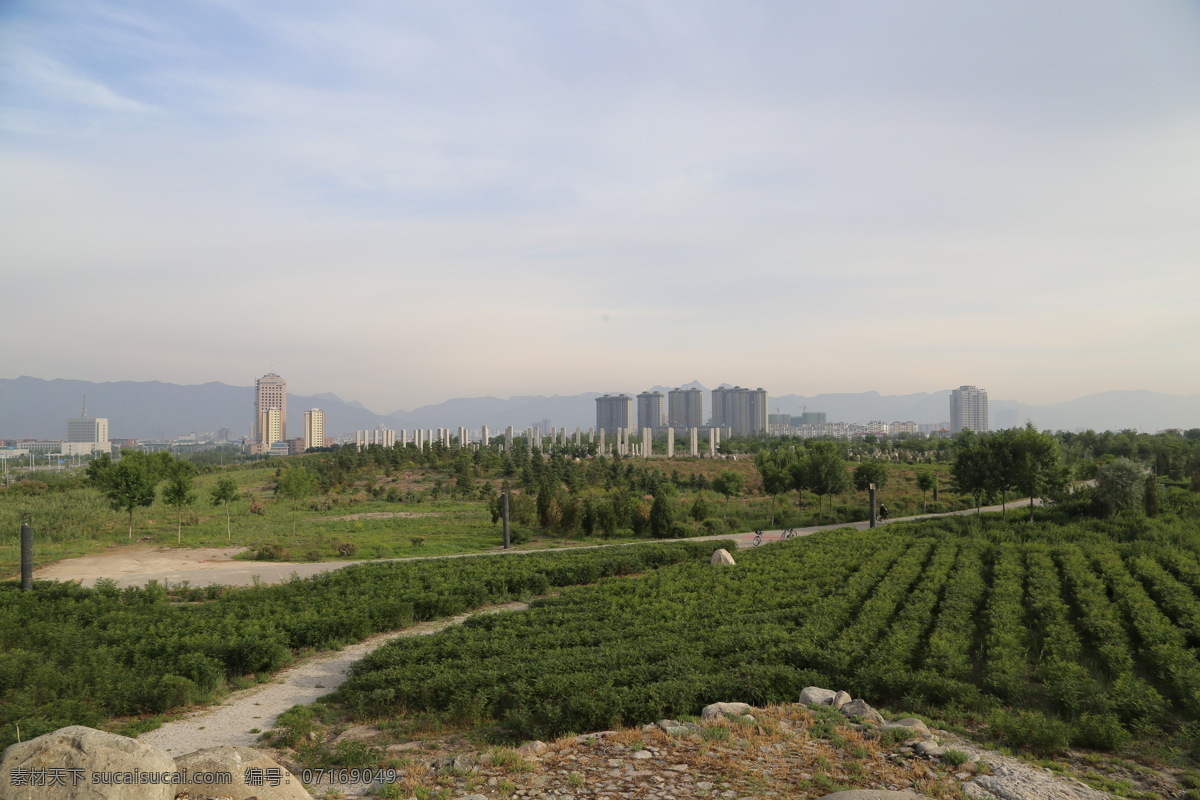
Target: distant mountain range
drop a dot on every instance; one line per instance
(33, 408)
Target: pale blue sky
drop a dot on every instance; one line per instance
(405, 202)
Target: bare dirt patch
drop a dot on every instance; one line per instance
(130, 562)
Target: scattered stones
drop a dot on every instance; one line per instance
(872, 794)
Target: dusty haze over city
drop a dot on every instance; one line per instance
(404, 203)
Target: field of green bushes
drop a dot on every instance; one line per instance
(76, 656)
(1051, 634)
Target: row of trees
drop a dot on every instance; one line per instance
(1019, 460)
(132, 482)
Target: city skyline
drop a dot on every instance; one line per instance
(603, 197)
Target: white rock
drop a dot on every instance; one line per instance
(722, 557)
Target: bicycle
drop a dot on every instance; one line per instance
(787, 534)
(757, 538)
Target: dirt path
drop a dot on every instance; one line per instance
(204, 566)
(234, 720)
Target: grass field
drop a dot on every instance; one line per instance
(71, 519)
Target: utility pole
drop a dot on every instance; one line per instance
(504, 517)
(873, 507)
(26, 554)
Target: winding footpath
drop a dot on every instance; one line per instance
(238, 719)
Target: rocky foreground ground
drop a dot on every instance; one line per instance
(828, 746)
(732, 751)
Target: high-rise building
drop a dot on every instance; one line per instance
(88, 429)
(685, 408)
(614, 411)
(743, 411)
(969, 410)
(650, 410)
(314, 428)
(270, 411)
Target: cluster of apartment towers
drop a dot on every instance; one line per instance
(736, 411)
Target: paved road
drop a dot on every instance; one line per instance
(207, 566)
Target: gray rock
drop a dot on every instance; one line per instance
(860, 710)
(929, 749)
(872, 794)
(358, 733)
(641, 754)
(534, 748)
(840, 699)
(92, 752)
(911, 724)
(722, 557)
(237, 761)
(718, 710)
(816, 696)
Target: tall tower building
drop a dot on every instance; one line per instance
(270, 410)
(743, 411)
(314, 428)
(969, 410)
(614, 411)
(650, 410)
(88, 429)
(685, 408)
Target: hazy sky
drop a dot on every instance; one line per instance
(405, 202)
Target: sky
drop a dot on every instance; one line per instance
(406, 202)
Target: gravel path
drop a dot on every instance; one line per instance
(204, 566)
(232, 721)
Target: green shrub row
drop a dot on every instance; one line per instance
(72, 655)
(1027, 627)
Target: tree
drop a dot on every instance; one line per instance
(1119, 484)
(662, 513)
(775, 469)
(925, 482)
(826, 472)
(295, 483)
(1037, 467)
(1150, 496)
(869, 472)
(971, 470)
(225, 491)
(178, 491)
(128, 483)
(728, 483)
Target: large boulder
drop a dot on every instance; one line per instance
(862, 711)
(722, 557)
(253, 774)
(816, 696)
(81, 763)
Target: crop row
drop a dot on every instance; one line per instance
(1097, 632)
(72, 655)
